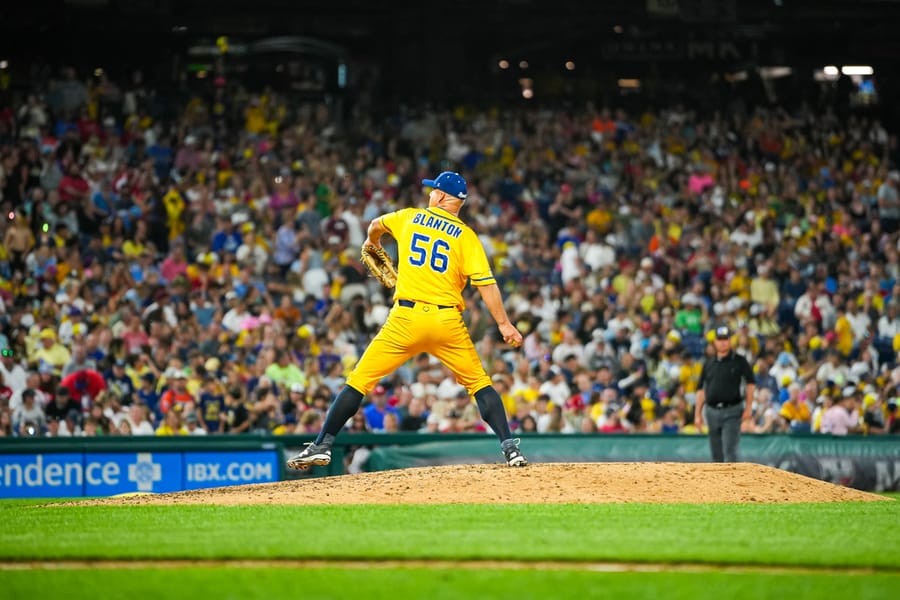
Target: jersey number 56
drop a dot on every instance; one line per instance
(423, 250)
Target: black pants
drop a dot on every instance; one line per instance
(16, 262)
(724, 431)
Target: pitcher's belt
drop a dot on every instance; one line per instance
(411, 304)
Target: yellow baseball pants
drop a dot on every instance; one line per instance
(420, 328)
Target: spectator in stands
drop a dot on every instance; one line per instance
(72, 424)
(50, 352)
(795, 410)
(14, 376)
(377, 408)
(177, 395)
(138, 421)
(172, 423)
(6, 392)
(29, 419)
(283, 371)
(211, 402)
(61, 404)
(843, 417)
(192, 425)
(416, 415)
(873, 419)
(236, 417)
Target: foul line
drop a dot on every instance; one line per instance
(519, 565)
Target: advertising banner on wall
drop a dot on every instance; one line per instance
(93, 474)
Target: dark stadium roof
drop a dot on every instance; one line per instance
(441, 43)
(486, 22)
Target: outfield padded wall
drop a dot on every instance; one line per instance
(866, 463)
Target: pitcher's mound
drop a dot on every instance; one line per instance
(537, 483)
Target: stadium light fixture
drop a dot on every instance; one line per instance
(831, 71)
(503, 64)
(774, 72)
(857, 70)
(4, 64)
(570, 65)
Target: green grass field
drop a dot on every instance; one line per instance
(677, 551)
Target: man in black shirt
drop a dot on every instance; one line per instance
(61, 404)
(719, 393)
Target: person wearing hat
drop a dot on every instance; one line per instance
(72, 326)
(467, 410)
(873, 415)
(598, 353)
(50, 351)
(295, 404)
(192, 424)
(177, 393)
(161, 309)
(720, 403)
(148, 396)
(119, 381)
(378, 408)
(647, 276)
(211, 402)
(62, 403)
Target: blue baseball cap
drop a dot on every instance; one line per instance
(450, 183)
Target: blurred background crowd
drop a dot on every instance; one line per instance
(189, 264)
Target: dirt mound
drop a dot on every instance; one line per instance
(548, 482)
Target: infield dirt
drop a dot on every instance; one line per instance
(586, 483)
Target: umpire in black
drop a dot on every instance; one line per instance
(719, 400)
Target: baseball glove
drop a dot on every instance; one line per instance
(379, 265)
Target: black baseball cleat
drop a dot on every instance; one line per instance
(313, 454)
(514, 456)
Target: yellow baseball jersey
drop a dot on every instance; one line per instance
(437, 255)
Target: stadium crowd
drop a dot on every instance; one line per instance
(191, 267)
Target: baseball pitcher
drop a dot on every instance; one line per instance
(438, 255)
